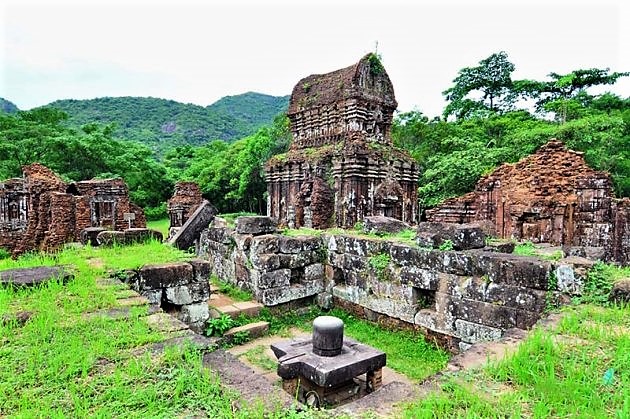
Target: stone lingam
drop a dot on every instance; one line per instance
(328, 369)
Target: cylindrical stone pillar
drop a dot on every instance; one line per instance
(327, 336)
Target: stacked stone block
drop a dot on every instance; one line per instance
(182, 287)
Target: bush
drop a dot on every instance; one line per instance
(156, 213)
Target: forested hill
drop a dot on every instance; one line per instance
(163, 124)
(7, 106)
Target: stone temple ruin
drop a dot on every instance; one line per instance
(552, 197)
(342, 165)
(182, 205)
(41, 212)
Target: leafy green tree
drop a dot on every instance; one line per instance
(563, 94)
(484, 88)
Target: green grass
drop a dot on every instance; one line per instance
(256, 356)
(63, 362)
(525, 249)
(556, 373)
(162, 225)
(232, 291)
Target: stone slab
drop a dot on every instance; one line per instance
(28, 277)
(248, 308)
(230, 310)
(254, 330)
(190, 231)
(163, 322)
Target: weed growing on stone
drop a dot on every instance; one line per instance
(218, 326)
(599, 281)
(446, 246)
(302, 231)
(525, 249)
(379, 264)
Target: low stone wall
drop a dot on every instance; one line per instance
(469, 296)
(182, 288)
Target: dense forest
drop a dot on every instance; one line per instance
(489, 119)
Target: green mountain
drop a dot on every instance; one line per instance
(163, 124)
(7, 106)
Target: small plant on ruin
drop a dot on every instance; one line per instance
(241, 337)
(598, 284)
(525, 249)
(4, 254)
(447, 245)
(551, 297)
(220, 325)
(379, 264)
(231, 290)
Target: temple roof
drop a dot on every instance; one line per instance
(366, 78)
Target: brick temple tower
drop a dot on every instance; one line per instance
(341, 165)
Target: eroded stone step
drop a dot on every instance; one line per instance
(247, 308)
(253, 330)
(163, 322)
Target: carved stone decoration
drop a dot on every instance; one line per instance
(341, 152)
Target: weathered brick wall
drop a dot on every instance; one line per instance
(185, 200)
(467, 296)
(61, 228)
(40, 183)
(51, 212)
(551, 196)
(82, 214)
(621, 227)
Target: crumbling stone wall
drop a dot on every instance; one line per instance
(552, 196)
(41, 212)
(342, 165)
(462, 296)
(277, 269)
(621, 231)
(181, 288)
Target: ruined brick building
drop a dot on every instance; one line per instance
(182, 204)
(552, 196)
(41, 212)
(342, 165)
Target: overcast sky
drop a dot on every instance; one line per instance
(197, 52)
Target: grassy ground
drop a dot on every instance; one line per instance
(65, 362)
(161, 225)
(578, 368)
